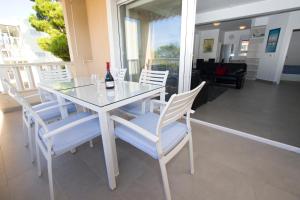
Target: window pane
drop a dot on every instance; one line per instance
(150, 37)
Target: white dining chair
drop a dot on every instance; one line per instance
(59, 73)
(48, 111)
(148, 77)
(161, 136)
(121, 75)
(61, 136)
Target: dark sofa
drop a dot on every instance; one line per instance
(235, 73)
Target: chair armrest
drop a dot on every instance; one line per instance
(32, 95)
(46, 103)
(52, 107)
(143, 132)
(70, 125)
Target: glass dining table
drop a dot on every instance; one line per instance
(93, 95)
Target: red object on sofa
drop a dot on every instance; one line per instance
(220, 70)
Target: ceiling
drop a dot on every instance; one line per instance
(209, 5)
(228, 25)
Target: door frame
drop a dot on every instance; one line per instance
(188, 17)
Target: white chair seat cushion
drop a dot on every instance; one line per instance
(55, 112)
(44, 105)
(171, 135)
(52, 113)
(72, 137)
(136, 108)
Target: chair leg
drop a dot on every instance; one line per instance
(191, 153)
(50, 177)
(73, 151)
(91, 144)
(30, 143)
(25, 134)
(38, 159)
(165, 180)
(37, 149)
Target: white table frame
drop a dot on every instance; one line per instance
(108, 138)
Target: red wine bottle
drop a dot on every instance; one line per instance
(109, 79)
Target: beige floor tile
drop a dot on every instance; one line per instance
(226, 167)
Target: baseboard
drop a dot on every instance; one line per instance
(266, 81)
(290, 77)
(249, 136)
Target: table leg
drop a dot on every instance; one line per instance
(63, 109)
(114, 149)
(109, 148)
(162, 98)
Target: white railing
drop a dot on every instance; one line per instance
(25, 76)
(165, 61)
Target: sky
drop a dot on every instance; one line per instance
(166, 31)
(15, 11)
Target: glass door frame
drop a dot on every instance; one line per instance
(188, 15)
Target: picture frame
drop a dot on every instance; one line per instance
(208, 45)
(272, 40)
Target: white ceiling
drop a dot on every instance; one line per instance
(209, 5)
(228, 25)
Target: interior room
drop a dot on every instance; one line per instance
(251, 67)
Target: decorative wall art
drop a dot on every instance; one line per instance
(208, 45)
(272, 40)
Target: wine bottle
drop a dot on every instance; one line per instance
(109, 79)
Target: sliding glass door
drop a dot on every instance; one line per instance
(150, 37)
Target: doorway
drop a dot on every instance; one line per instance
(291, 69)
(153, 35)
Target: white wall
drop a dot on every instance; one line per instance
(200, 36)
(98, 29)
(268, 62)
(235, 38)
(271, 64)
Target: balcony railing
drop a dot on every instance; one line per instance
(26, 76)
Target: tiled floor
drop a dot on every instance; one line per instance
(8, 104)
(260, 108)
(226, 167)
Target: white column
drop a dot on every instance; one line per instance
(18, 78)
(30, 77)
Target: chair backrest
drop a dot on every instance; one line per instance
(122, 74)
(59, 73)
(154, 77)
(178, 105)
(12, 90)
(28, 109)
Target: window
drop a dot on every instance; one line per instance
(244, 47)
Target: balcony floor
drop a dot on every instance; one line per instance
(226, 167)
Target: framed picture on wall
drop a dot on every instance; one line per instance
(272, 40)
(208, 45)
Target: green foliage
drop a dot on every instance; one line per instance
(49, 19)
(168, 51)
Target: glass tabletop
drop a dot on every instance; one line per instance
(67, 84)
(98, 95)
